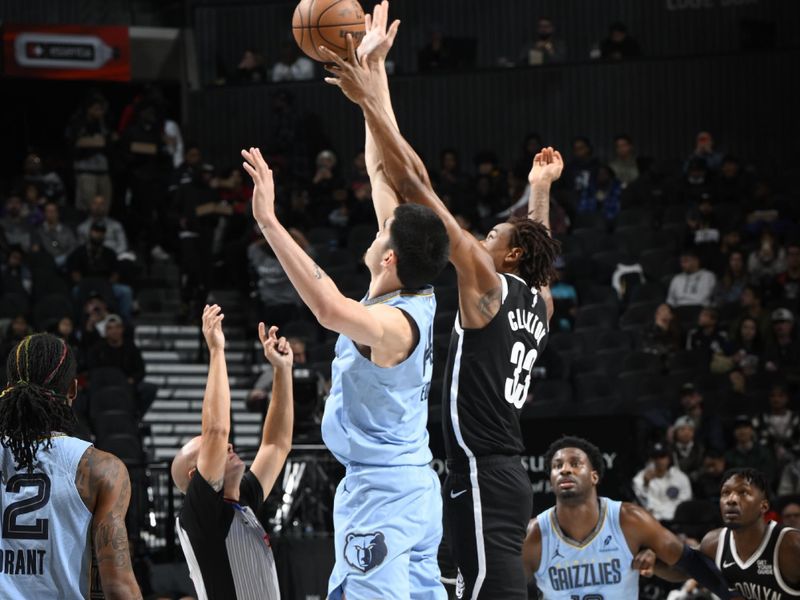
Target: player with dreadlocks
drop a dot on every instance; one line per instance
(56, 486)
(501, 328)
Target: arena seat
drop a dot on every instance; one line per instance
(126, 447)
(659, 263)
(51, 309)
(13, 304)
(642, 361)
(596, 315)
(649, 291)
(694, 518)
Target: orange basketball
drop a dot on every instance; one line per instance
(326, 23)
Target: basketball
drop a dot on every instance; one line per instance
(326, 23)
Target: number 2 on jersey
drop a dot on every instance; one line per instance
(516, 389)
(39, 530)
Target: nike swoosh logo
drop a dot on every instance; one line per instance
(727, 565)
(455, 495)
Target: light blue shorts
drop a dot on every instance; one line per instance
(388, 526)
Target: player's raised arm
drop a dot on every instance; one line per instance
(375, 46)
(546, 168)
(276, 436)
(216, 425)
(676, 561)
(375, 326)
(360, 82)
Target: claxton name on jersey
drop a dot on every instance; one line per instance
(530, 322)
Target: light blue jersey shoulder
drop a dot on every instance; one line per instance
(375, 415)
(598, 568)
(45, 547)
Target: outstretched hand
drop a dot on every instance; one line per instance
(377, 42)
(547, 166)
(353, 76)
(212, 327)
(277, 350)
(264, 190)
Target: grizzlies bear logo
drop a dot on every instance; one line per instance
(365, 551)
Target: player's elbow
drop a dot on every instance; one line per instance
(216, 431)
(120, 587)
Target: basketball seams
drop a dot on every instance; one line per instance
(312, 35)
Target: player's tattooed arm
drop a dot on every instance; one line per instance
(489, 303)
(318, 272)
(109, 477)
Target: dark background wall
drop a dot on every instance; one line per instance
(663, 27)
(749, 100)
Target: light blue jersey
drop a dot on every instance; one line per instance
(598, 568)
(44, 550)
(378, 416)
(387, 512)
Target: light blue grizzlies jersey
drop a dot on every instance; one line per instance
(375, 415)
(597, 569)
(44, 550)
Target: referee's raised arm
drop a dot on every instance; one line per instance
(216, 403)
(276, 437)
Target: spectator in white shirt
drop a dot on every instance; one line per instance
(116, 239)
(291, 66)
(661, 486)
(693, 286)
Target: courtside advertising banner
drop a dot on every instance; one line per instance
(67, 52)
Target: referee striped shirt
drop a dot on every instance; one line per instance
(226, 548)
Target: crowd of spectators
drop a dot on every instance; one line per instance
(675, 306)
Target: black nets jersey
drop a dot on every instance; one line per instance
(488, 375)
(760, 575)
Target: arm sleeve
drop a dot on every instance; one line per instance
(250, 492)
(703, 569)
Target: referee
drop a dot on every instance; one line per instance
(226, 547)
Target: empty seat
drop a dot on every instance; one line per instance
(335, 257)
(12, 305)
(632, 384)
(360, 238)
(590, 292)
(642, 361)
(591, 387)
(48, 282)
(113, 422)
(595, 240)
(659, 263)
(596, 315)
(687, 315)
(588, 363)
(614, 339)
(590, 220)
(638, 314)
(550, 397)
(641, 218)
(566, 344)
(323, 236)
(126, 447)
(103, 377)
(649, 291)
(300, 328)
(51, 309)
(112, 397)
(610, 360)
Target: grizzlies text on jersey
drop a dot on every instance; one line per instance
(599, 567)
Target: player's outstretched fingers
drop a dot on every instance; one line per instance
(332, 57)
(262, 333)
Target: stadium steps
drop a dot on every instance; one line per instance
(176, 361)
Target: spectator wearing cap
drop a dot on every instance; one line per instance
(687, 454)
(707, 336)
(779, 428)
(661, 486)
(708, 429)
(693, 286)
(55, 237)
(119, 352)
(790, 511)
(783, 351)
(115, 238)
(707, 480)
(94, 260)
(747, 452)
(786, 285)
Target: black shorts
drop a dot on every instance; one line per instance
(485, 527)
